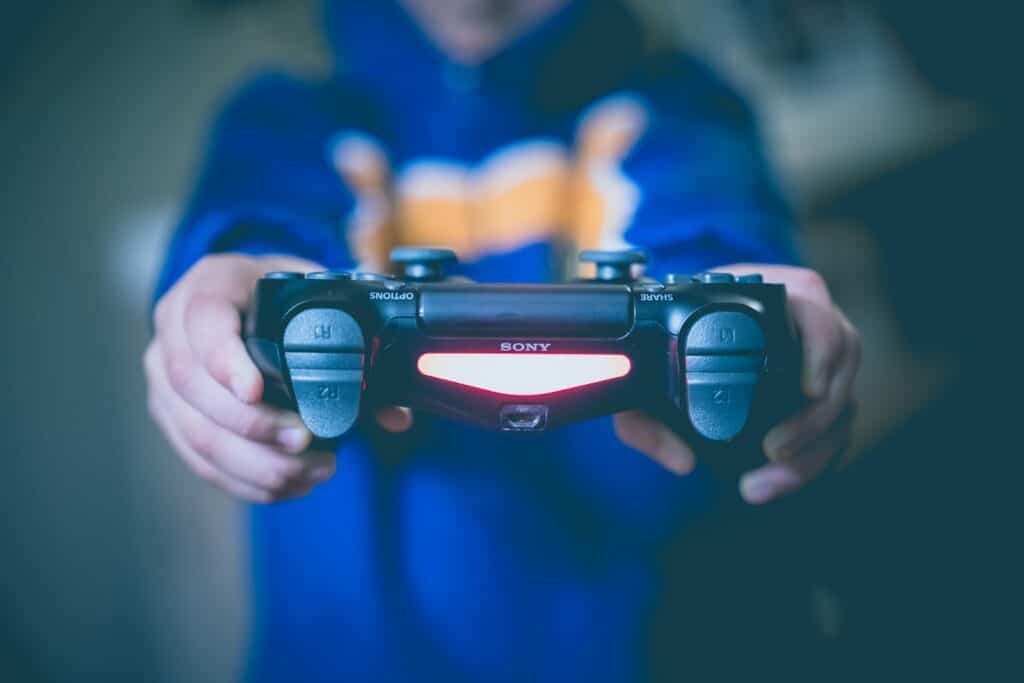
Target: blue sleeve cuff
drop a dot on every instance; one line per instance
(250, 231)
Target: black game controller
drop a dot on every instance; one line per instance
(712, 355)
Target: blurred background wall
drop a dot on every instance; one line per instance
(115, 564)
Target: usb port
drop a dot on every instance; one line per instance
(523, 418)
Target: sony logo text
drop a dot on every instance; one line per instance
(524, 346)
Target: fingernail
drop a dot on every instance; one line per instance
(755, 489)
(679, 461)
(294, 438)
(680, 465)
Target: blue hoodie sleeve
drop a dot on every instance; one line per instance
(707, 196)
(266, 184)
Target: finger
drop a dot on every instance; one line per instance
(224, 275)
(652, 438)
(213, 328)
(254, 463)
(206, 470)
(823, 339)
(821, 325)
(217, 288)
(395, 419)
(852, 357)
(259, 422)
(228, 276)
(788, 438)
(779, 478)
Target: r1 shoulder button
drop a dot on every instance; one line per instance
(323, 329)
(724, 332)
(753, 278)
(282, 275)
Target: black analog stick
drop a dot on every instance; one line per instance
(423, 264)
(613, 266)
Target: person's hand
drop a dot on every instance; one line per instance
(205, 391)
(800, 448)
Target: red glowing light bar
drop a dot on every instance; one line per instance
(523, 374)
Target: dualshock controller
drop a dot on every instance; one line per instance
(712, 355)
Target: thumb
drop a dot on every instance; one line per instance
(652, 438)
(394, 419)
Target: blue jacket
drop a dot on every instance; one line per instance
(452, 554)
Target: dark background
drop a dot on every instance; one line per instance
(895, 128)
